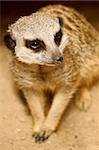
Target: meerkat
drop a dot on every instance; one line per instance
(54, 58)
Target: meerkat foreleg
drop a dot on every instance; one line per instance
(59, 104)
(83, 99)
(33, 100)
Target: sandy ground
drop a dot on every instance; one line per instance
(78, 130)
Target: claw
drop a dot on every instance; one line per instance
(34, 135)
(40, 137)
(37, 138)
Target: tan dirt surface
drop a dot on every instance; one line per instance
(78, 130)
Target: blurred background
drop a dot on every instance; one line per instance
(12, 10)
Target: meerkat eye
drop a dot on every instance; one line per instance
(58, 37)
(36, 45)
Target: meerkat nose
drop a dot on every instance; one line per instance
(59, 58)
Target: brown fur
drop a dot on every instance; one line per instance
(78, 71)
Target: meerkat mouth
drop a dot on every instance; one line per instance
(51, 64)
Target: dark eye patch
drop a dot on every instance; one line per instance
(61, 22)
(36, 45)
(9, 42)
(58, 37)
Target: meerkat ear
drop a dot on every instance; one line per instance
(9, 42)
(61, 21)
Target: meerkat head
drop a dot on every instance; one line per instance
(37, 39)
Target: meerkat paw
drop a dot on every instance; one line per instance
(36, 131)
(83, 100)
(42, 135)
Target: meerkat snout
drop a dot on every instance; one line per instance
(58, 59)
